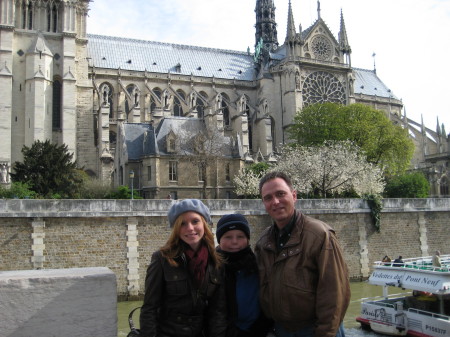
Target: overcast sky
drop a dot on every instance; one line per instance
(409, 37)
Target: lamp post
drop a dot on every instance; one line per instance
(131, 178)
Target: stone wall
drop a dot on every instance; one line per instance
(75, 302)
(122, 234)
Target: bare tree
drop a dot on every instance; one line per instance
(204, 150)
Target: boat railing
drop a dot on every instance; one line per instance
(428, 313)
(387, 300)
(420, 263)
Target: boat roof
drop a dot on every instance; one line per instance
(415, 273)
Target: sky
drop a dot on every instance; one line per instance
(410, 38)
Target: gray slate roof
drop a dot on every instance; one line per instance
(185, 128)
(139, 55)
(139, 140)
(130, 54)
(143, 140)
(368, 83)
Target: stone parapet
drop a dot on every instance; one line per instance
(76, 302)
(122, 234)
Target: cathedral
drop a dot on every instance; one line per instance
(177, 121)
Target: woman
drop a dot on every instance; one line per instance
(245, 318)
(183, 291)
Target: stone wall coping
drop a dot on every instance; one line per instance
(55, 273)
(48, 208)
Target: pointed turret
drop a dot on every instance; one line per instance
(290, 33)
(266, 26)
(293, 39)
(438, 127)
(343, 41)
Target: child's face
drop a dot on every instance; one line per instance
(233, 241)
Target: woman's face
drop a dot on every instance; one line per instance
(192, 229)
(233, 241)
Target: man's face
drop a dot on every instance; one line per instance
(279, 201)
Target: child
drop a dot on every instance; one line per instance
(245, 318)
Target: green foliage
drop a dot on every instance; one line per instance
(376, 205)
(95, 189)
(122, 192)
(17, 190)
(384, 143)
(48, 169)
(258, 168)
(409, 185)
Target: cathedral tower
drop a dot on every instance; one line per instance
(43, 44)
(266, 27)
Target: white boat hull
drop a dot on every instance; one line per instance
(389, 321)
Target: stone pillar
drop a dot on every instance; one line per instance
(423, 237)
(364, 257)
(132, 257)
(38, 245)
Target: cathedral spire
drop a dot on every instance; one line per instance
(290, 33)
(343, 39)
(318, 9)
(438, 127)
(266, 26)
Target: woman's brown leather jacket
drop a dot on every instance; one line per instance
(174, 308)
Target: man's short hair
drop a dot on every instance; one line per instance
(273, 175)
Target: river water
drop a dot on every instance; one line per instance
(352, 328)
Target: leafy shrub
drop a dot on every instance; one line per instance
(409, 185)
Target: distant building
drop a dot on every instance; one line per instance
(126, 105)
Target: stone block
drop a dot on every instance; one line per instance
(76, 302)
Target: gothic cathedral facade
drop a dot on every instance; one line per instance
(175, 120)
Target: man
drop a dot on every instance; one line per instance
(304, 278)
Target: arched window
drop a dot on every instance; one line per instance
(55, 18)
(225, 110)
(250, 137)
(200, 107)
(52, 17)
(272, 132)
(177, 107)
(24, 14)
(444, 186)
(153, 103)
(30, 16)
(56, 103)
(134, 94)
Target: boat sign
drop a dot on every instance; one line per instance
(437, 283)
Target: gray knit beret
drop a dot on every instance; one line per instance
(188, 205)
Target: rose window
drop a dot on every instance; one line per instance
(321, 87)
(321, 47)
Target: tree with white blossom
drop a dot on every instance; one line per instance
(246, 182)
(331, 168)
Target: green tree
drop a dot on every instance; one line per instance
(49, 171)
(409, 185)
(17, 190)
(384, 143)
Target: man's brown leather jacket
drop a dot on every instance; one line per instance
(306, 283)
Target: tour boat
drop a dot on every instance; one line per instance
(423, 310)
